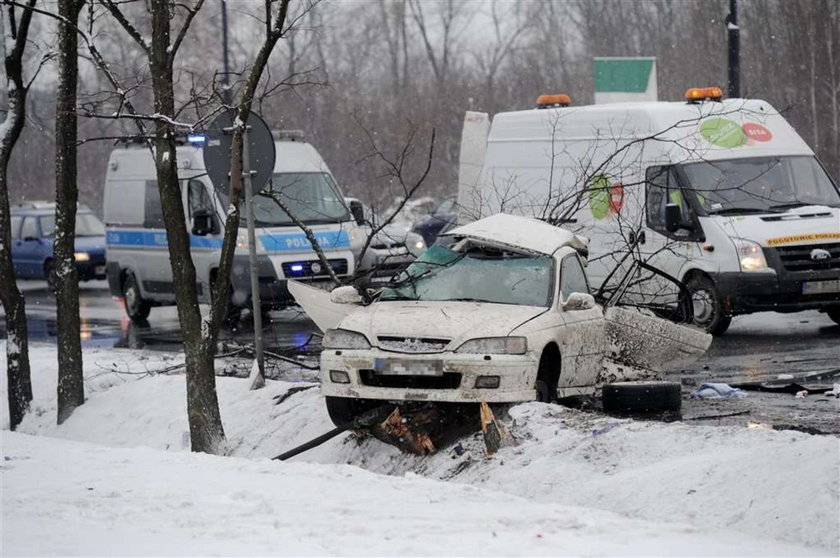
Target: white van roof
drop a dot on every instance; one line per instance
(676, 124)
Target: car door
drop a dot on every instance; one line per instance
(582, 340)
(30, 248)
(15, 222)
(204, 248)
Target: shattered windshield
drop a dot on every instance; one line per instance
(312, 197)
(759, 184)
(478, 274)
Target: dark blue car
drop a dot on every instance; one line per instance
(442, 218)
(33, 232)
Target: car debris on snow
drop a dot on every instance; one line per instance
(717, 391)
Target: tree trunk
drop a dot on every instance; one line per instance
(17, 344)
(71, 387)
(206, 431)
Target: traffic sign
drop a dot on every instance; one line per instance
(260, 150)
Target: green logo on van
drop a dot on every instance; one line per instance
(599, 196)
(723, 132)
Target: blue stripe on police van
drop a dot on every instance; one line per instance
(154, 239)
(296, 242)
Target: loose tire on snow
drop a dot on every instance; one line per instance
(641, 397)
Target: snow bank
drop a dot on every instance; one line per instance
(764, 483)
(70, 498)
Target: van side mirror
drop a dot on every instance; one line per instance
(579, 301)
(673, 217)
(204, 223)
(358, 211)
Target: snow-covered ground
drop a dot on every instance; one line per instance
(577, 483)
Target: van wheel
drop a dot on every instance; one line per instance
(641, 397)
(834, 314)
(136, 306)
(548, 375)
(708, 306)
(232, 313)
(49, 275)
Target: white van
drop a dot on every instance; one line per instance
(721, 194)
(138, 267)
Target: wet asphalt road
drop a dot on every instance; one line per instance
(757, 348)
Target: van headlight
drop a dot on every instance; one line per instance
(750, 255)
(495, 346)
(344, 339)
(81, 256)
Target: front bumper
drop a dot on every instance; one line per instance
(517, 375)
(91, 269)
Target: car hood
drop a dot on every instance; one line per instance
(811, 224)
(90, 244)
(457, 321)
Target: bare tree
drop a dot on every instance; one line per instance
(15, 30)
(71, 386)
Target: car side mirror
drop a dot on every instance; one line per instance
(345, 295)
(357, 210)
(579, 301)
(204, 223)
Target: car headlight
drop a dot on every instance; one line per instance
(81, 256)
(750, 255)
(415, 244)
(495, 346)
(344, 339)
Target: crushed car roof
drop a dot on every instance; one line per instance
(522, 232)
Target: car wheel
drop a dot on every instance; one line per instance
(834, 314)
(344, 409)
(708, 306)
(641, 397)
(136, 306)
(548, 375)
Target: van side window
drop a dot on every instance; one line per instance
(30, 228)
(572, 277)
(198, 197)
(15, 223)
(662, 188)
(152, 210)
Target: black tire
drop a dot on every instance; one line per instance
(834, 314)
(641, 397)
(233, 313)
(136, 306)
(548, 375)
(709, 312)
(344, 409)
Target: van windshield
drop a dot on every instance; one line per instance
(759, 184)
(311, 197)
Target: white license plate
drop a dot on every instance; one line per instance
(100, 270)
(398, 367)
(820, 287)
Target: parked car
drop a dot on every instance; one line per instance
(502, 314)
(390, 250)
(441, 219)
(33, 233)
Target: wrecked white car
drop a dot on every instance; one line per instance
(503, 314)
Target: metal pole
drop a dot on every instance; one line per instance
(733, 33)
(226, 78)
(252, 260)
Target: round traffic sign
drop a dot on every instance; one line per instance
(261, 152)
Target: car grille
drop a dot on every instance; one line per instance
(449, 380)
(412, 344)
(798, 258)
(338, 266)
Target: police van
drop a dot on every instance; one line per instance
(138, 268)
(721, 194)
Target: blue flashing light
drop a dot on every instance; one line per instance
(297, 268)
(197, 139)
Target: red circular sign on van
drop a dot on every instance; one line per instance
(757, 132)
(616, 198)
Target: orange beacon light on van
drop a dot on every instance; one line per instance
(696, 94)
(553, 101)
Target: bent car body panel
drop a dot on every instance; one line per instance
(521, 232)
(317, 304)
